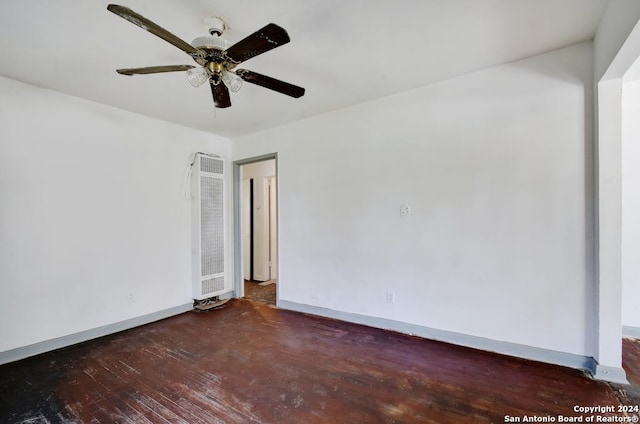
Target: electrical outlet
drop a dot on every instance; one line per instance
(391, 297)
(130, 298)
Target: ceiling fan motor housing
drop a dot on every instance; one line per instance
(210, 42)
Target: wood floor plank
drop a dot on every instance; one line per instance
(251, 363)
(631, 359)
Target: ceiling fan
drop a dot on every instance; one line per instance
(217, 59)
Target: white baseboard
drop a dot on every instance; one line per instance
(64, 341)
(612, 374)
(512, 349)
(631, 331)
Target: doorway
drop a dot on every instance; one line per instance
(256, 240)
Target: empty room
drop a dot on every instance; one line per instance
(217, 211)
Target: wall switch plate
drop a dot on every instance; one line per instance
(391, 297)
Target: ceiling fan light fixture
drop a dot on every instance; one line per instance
(197, 76)
(232, 81)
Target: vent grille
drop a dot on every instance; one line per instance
(212, 285)
(208, 242)
(212, 224)
(211, 165)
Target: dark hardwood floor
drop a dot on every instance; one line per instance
(254, 291)
(631, 359)
(251, 363)
(631, 365)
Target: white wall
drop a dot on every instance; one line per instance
(495, 167)
(259, 171)
(94, 228)
(631, 204)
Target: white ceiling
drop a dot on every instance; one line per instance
(343, 52)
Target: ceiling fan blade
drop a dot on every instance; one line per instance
(154, 69)
(220, 93)
(271, 83)
(152, 27)
(263, 40)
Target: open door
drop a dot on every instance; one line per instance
(256, 233)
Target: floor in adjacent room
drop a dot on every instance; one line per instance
(260, 291)
(249, 362)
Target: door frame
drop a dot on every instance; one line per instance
(238, 275)
(272, 182)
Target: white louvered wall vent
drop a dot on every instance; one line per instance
(209, 228)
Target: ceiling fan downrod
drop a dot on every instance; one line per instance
(216, 25)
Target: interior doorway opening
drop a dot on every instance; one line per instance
(256, 229)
